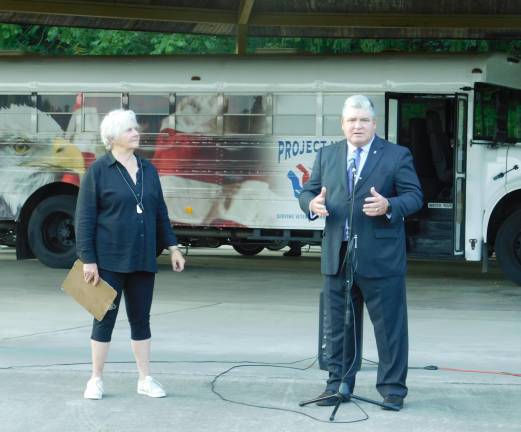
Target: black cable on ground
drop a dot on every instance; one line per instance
(281, 365)
(276, 365)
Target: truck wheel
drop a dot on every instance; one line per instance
(51, 231)
(248, 249)
(508, 247)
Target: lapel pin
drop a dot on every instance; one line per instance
(374, 152)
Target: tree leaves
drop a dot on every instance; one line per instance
(80, 41)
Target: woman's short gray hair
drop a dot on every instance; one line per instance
(358, 102)
(114, 124)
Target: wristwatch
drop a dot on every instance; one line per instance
(389, 208)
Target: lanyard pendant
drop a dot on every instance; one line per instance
(139, 209)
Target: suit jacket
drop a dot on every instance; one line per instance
(380, 240)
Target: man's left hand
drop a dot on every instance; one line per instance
(376, 204)
(178, 260)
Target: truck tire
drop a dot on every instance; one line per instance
(51, 231)
(248, 249)
(508, 247)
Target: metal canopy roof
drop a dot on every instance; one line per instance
(469, 19)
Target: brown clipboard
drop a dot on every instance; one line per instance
(96, 299)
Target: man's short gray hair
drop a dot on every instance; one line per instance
(358, 102)
(114, 124)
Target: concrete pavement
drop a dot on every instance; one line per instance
(226, 309)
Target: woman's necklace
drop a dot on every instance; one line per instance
(139, 202)
(129, 156)
(123, 161)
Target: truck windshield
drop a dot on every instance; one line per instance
(497, 113)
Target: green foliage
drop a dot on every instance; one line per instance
(345, 46)
(79, 41)
(191, 44)
(44, 40)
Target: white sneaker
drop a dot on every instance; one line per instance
(150, 387)
(94, 389)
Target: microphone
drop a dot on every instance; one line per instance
(351, 164)
(351, 173)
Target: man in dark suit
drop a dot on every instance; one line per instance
(380, 177)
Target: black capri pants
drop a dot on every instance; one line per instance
(138, 288)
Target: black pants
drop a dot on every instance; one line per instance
(138, 288)
(386, 303)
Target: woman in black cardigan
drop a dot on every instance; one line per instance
(120, 217)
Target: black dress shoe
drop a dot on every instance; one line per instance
(332, 400)
(292, 253)
(394, 402)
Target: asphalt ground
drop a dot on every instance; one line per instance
(260, 314)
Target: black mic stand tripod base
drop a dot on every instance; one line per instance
(343, 395)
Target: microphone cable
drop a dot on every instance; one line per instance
(213, 385)
(283, 365)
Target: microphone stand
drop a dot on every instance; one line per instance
(344, 394)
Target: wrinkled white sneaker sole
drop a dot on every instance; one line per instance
(144, 393)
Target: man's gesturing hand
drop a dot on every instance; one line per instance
(318, 204)
(376, 204)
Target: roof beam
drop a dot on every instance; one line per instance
(381, 20)
(243, 16)
(245, 11)
(241, 40)
(121, 11)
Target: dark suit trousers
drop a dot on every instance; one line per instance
(385, 299)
